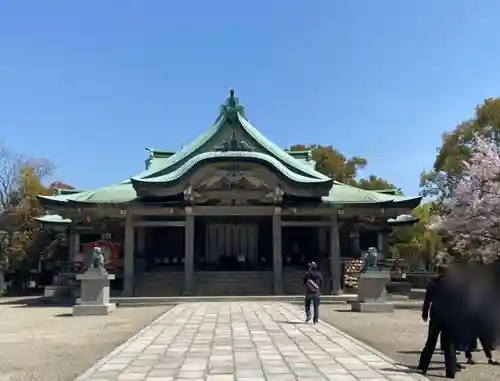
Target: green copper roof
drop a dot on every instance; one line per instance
(114, 194)
(279, 153)
(346, 194)
(233, 114)
(61, 191)
(165, 167)
(232, 156)
(184, 154)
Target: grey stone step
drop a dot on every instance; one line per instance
(148, 301)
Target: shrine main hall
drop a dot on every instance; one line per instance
(231, 213)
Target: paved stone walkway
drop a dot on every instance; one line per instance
(243, 341)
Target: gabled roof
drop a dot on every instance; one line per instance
(231, 156)
(234, 114)
(166, 167)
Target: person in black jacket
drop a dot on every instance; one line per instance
(480, 316)
(441, 305)
(313, 281)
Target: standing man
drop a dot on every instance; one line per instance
(313, 280)
(481, 316)
(441, 300)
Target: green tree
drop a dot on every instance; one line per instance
(440, 182)
(376, 183)
(20, 182)
(416, 244)
(336, 165)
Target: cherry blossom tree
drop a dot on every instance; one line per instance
(471, 219)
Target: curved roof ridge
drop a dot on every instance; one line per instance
(184, 152)
(177, 173)
(375, 196)
(275, 150)
(120, 192)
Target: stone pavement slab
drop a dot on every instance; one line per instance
(245, 341)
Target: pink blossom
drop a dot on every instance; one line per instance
(472, 219)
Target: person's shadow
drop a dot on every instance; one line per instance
(291, 322)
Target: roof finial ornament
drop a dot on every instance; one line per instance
(232, 107)
(232, 101)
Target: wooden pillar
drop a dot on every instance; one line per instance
(383, 244)
(74, 243)
(335, 262)
(141, 240)
(354, 235)
(76, 247)
(380, 242)
(322, 239)
(277, 253)
(128, 260)
(189, 253)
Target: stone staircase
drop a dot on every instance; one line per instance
(293, 282)
(227, 283)
(160, 282)
(167, 282)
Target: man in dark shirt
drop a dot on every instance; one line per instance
(313, 281)
(480, 317)
(442, 305)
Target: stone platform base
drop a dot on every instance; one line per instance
(372, 307)
(93, 309)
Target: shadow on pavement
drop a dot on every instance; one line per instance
(64, 315)
(40, 303)
(414, 371)
(291, 322)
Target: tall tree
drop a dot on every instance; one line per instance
(336, 165)
(471, 220)
(375, 183)
(20, 182)
(417, 244)
(60, 185)
(457, 149)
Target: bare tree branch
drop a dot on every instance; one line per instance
(12, 165)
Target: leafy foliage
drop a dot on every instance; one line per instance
(20, 182)
(417, 244)
(23, 229)
(60, 185)
(336, 165)
(457, 149)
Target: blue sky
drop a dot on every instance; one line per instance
(89, 84)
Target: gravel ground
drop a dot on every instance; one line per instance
(401, 336)
(45, 343)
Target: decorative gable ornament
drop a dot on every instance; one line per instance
(233, 144)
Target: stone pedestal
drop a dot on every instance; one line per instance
(94, 299)
(372, 293)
